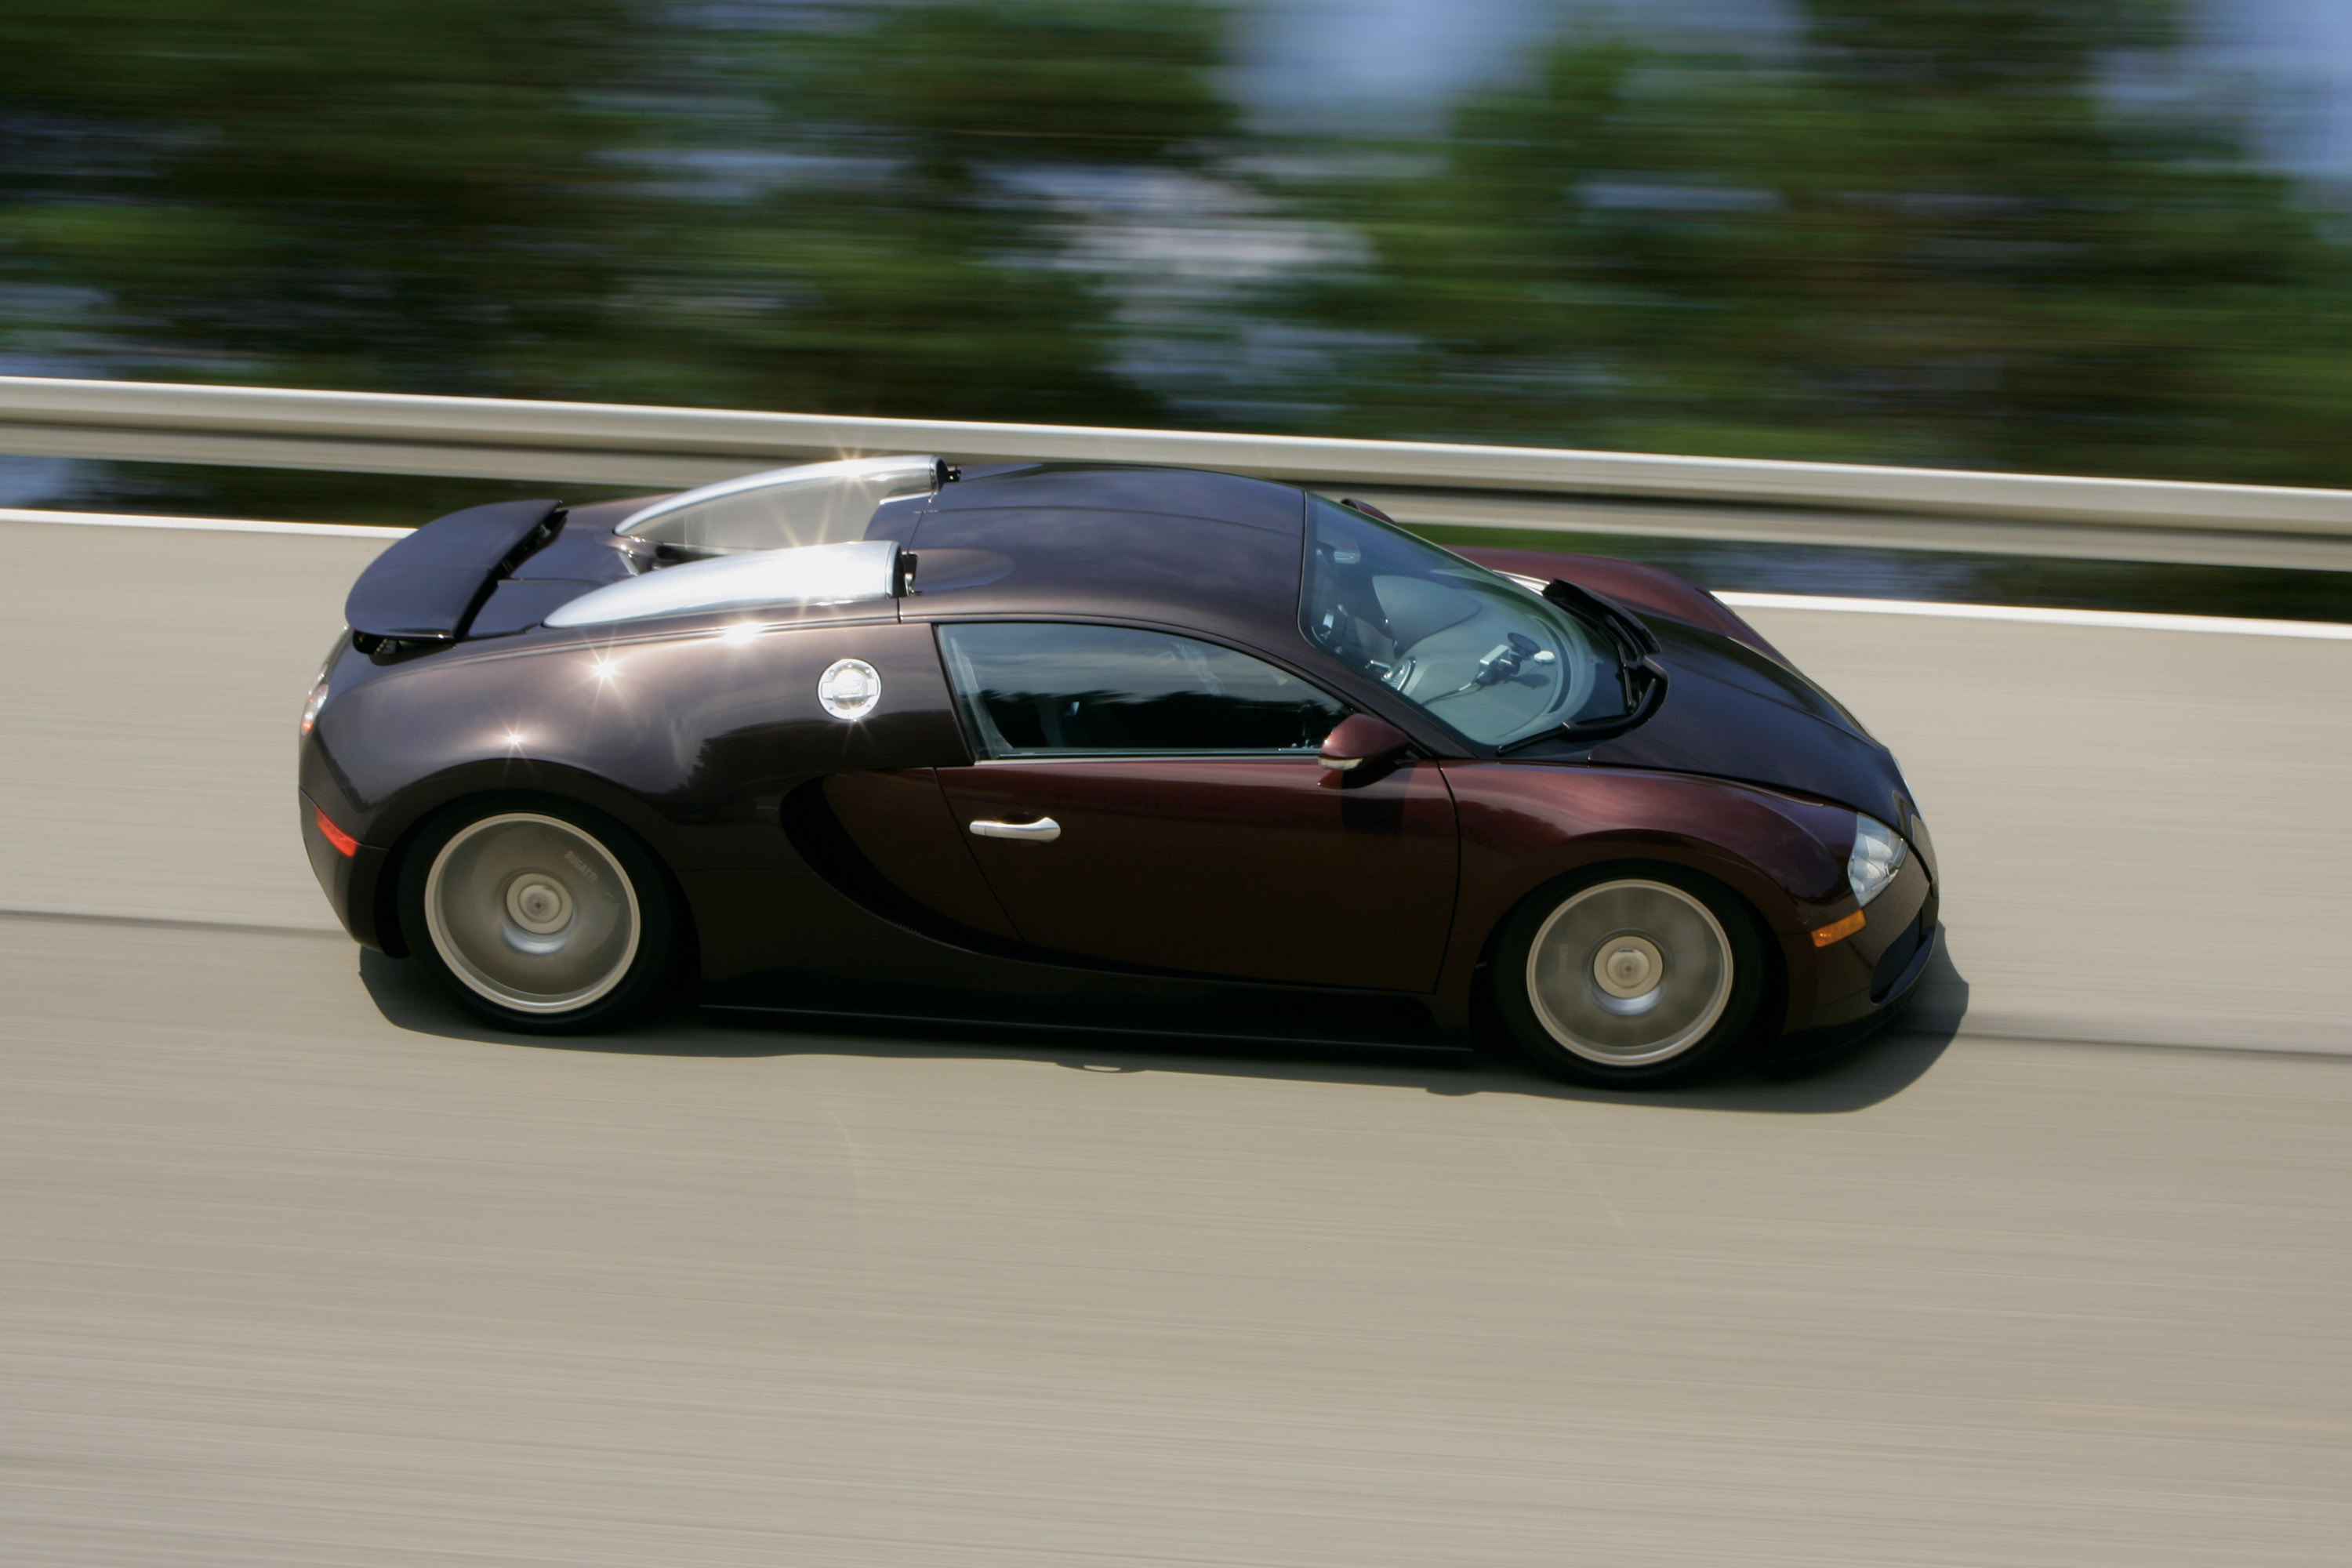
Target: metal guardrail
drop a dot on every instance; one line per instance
(1431, 483)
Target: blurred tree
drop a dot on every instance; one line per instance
(909, 258)
(1936, 231)
(439, 195)
(409, 195)
(1939, 234)
(835, 209)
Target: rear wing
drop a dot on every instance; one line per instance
(428, 587)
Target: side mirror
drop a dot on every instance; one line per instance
(1361, 740)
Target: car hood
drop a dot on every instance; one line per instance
(1732, 713)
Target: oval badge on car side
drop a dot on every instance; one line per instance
(849, 689)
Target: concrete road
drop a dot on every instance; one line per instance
(296, 1266)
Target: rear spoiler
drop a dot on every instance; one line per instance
(427, 588)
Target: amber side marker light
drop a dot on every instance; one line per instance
(1836, 931)
(346, 845)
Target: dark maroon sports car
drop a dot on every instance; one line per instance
(1143, 749)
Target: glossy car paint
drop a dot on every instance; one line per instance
(1262, 867)
(828, 865)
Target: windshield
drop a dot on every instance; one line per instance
(1493, 660)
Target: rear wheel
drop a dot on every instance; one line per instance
(1631, 977)
(540, 916)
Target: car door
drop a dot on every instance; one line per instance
(1154, 800)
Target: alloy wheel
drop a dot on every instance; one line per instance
(532, 913)
(1629, 973)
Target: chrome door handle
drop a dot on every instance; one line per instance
(1045, 830)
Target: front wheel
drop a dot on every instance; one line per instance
(539, 916)
(1631, 978)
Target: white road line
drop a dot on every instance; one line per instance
(2120, 620)
(217, 524)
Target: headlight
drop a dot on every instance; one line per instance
(318, 697)
(317, 700)
(1878, 853)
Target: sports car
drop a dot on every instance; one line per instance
(1103, 747)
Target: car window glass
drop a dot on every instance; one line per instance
(1046, 688)
(1496, 662)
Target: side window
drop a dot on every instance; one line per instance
(1032, 689)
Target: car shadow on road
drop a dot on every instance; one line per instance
(1876, 1069)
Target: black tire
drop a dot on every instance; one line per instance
(1649, 974)
(540, 915)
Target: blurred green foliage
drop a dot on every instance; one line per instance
(1929, 238)
(361, 193)
(1933, 231)
(894, 263)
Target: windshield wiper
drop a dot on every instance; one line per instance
(1639, 709)
(1634, 641)
(1643, 679)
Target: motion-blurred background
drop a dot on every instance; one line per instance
(299, 1267)
(2100, 237)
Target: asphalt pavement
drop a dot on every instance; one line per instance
(298, 1267)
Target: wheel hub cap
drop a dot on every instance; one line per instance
(1628, 966)
(539, 904)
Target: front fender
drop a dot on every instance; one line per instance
(1524, 825)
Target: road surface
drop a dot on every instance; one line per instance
(298, 1267)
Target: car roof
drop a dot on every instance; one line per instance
(1215, 552)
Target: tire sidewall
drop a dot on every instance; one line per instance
(1525, 1031)
(651, 972)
